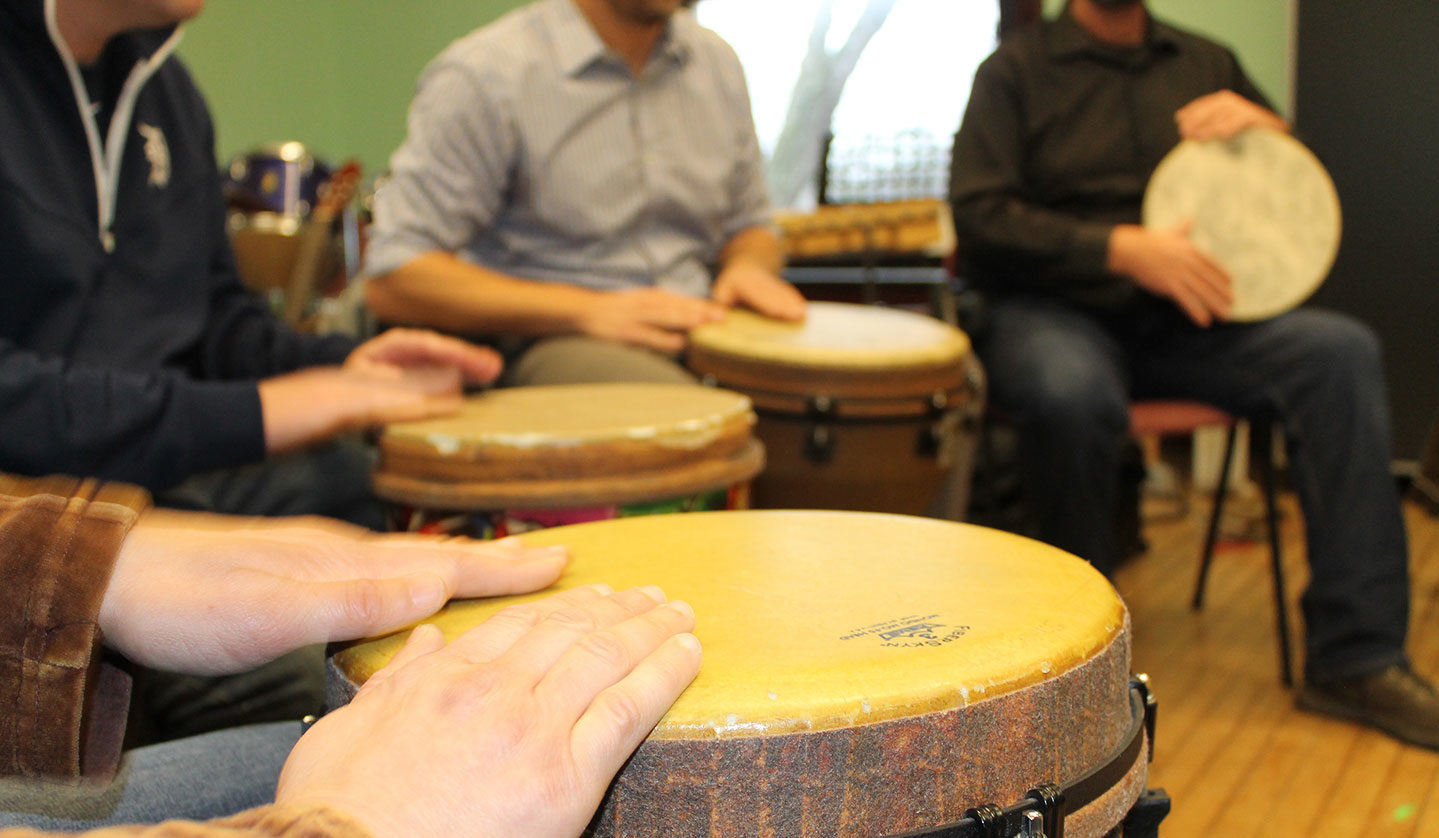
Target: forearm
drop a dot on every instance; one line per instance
(263, 822)
(756, 245)
(442, 291)
(153, 428)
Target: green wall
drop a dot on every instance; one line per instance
(337, 75)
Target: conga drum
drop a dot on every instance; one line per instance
(864, 675)
(1262, 205)
(859, 406)
(528, 457)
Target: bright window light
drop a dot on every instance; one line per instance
(899, 102)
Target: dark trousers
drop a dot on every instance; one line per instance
(332, 480)
(1065, 378)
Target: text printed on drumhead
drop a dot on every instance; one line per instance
(915, 631)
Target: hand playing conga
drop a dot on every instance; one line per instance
(403, 374)
(513, 729)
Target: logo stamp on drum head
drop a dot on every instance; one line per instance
(912, 632)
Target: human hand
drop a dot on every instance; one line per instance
(1167, 263)
(748, 284)
(395, 352)
(316, 404)
(512, 730)
(1223, 114)
(209, 594)
(651, 317)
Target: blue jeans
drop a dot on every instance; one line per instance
(210, 776)
(1065, 377)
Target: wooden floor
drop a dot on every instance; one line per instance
(1235, 756)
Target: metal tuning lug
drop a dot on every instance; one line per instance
(1050, 804)
(1031, 824)
(819, 442)
(990, 820)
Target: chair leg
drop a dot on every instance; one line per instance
(1265, 432)
(1221, 489)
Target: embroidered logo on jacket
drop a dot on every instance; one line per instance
(158, 153)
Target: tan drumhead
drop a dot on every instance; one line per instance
(1262, 204)
(666, 415)
(836, 335)
(574, 445)
(813, 621)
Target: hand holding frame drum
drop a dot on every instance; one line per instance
(1262, 205)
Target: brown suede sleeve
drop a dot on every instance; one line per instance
(264, 822)
(59, 538)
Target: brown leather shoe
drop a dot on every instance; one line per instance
(1395, 700)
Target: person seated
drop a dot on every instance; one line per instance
(580, 183)
(129, 348)
(517, 725)
(1086, 309)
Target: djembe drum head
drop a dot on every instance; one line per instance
(864, 674)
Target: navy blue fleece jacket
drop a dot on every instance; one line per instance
(129, 349)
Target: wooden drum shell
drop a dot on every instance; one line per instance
(892, 419)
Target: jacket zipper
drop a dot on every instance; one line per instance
(105, 159)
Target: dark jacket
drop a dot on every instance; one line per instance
(131, 350)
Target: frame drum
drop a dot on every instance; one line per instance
(859, 406)
(1262, 205)
(526, 457)
(863, 675)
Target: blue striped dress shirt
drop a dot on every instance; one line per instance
(534, 150)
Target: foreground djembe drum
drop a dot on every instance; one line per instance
(859, 406)
(864, 675)
(522, 458)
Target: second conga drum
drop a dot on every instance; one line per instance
(859, 406)
(864, 675)
(527, 457)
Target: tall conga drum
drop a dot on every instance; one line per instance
(864, 675)
(859, 406)
(528, 457)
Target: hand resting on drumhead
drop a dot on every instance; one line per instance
(1223, 114)
(649, 317)
(514, 728)
(207, 595)
(1169, 264)
(400, 375)
(749, 277)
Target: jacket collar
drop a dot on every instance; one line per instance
(29, 16)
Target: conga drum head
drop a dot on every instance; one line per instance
(1262, 205)
(841, 349)
(859, 406)
(569, 445)
(863, 674)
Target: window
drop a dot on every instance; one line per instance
(889, 79)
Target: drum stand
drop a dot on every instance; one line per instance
(1042, 812)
